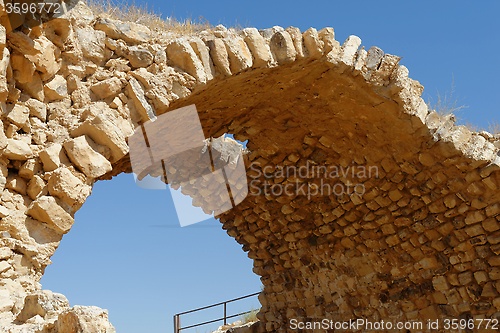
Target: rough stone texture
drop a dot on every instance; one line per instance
(17, 150)
(86, 158)
(107, 88)
(421, 241)
(139, 57)
(51, 156)
(46, 209)
(130, 32)
(136, 93)
(56, 89)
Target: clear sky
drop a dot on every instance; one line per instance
(127, 253)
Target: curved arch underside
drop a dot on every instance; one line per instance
(362, 202)
(396, 251)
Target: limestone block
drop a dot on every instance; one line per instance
(103, 130)
(56, 89)
(107, 88)
(4, 65)
(203, 53)
(145, 78)
(3, 138)
(3, 37)
(6, 303)
(22, 43)
(113, 116)
(282, 47)
(3, 182)
(42, 303)
(440, 283)
(18, 114)
(92, 43)
(45, 55)
(23, 68)
(374, 57)
(474, 217)
(16, 184)
(269, 32)
(313, 43)
(160, 56)
(360, 62)
(494, 238)
(349, 49)
(36, 187)
(298, 41)
(261, 52)
(37, 109)
(46, 209)
(494, 260)
(220, 31)
(119, 64)
(52, 156)
(4, 211)
(17, 150)
(130, 32)
(493, 210)
(181, 54)
(88, 160)
(459, 136)
(34, 88)
(327, 36)
(68, 188)
(383, 72)
(479, 149)
(220, 58)
(116, 103)
(5, 252)
(60, 32)
(81, 97)
(139, 57)
(136, 93)
(239, 55)
(14, 93)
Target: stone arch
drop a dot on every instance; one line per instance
(420, 242)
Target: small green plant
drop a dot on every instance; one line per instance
(250, 316)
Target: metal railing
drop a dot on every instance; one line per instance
(177, 317)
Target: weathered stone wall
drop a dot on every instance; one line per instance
(421, 242)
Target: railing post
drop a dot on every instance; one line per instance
(177, 317)
(177, 323)
(225, 313)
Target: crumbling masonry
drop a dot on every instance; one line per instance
(421, 241)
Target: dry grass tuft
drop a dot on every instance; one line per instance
(142, 14)
(494, 128)
(446, 104)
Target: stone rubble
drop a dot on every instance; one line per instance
(422, 242)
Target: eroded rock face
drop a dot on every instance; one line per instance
(420, 241)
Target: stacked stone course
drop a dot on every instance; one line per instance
(422, 241)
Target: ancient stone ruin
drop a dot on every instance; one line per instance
(420, 241)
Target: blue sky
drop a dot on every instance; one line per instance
(126, 251)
